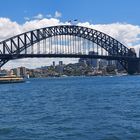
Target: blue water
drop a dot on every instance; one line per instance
(71, 108)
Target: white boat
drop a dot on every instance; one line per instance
(11, 79)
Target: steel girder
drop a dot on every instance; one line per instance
(17, 44)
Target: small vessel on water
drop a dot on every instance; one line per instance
(11, 79)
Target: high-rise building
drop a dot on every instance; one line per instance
(90, 61)
(21, 71)
(60, 63)
(60, 67)
(54, 64)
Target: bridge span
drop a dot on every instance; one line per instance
(68, 41)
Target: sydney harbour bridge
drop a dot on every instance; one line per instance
(68, 41)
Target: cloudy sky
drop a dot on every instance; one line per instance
(118, 18)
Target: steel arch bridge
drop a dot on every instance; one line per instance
(68, 41)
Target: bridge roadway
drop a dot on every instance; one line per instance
(109, 57)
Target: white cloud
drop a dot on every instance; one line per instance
(8, 28)
(39, 16)
(128, 34)
(57, 14)
(26, 18)
(34, 24)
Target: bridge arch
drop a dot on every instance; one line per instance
(14, 47)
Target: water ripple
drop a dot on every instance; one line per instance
(72, 108)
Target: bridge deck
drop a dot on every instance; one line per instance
(15, 56)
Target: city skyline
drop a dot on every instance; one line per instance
(31, 15)
(84, 67)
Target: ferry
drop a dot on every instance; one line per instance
(11, 79)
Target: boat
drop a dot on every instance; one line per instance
(11, 79)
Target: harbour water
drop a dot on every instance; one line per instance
(71, 108)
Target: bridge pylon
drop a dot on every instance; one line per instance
(133, 67)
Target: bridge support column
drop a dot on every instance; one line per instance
(133, 67)
(138, 66)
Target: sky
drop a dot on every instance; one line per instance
(118, 18)
(94, 11)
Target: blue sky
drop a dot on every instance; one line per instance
(117, 18)
(93, 11)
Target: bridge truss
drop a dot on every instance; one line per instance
(66, 41)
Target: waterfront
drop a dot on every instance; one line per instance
(71, 108)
